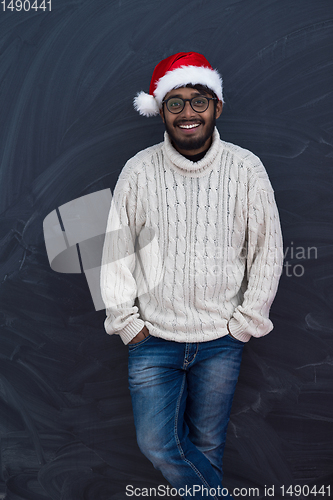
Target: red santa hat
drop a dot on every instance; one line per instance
(177, 71)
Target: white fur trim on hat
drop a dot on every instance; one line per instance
(186, 75)
(146, 104)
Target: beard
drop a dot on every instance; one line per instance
(191, 143)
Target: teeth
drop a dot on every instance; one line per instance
(190, 126)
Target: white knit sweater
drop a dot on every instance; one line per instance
(210, 246)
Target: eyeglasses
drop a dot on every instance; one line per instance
(199, 103)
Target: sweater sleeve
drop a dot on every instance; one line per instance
(264, 263)
(119, 260)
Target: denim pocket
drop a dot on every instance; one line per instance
(236, 340)
(132, 347)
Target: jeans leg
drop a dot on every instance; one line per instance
(211, 385)
(159, 390)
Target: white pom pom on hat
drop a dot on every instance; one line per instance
(176, 71)
(146, 104)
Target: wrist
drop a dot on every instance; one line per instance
(140, 336)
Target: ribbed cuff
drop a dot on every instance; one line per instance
(237, 331)
(131, 330)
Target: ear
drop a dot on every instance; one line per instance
(219, 107)
(161, 113)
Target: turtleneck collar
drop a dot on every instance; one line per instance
(188, 167)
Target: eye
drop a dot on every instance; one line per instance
(175, 103)
(199, 102)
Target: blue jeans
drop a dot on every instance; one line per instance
(181, 396)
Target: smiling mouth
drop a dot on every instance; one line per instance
(191, 125)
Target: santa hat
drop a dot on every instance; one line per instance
(177, 71)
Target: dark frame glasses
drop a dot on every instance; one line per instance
(199, 103)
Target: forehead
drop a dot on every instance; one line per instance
(185, 92)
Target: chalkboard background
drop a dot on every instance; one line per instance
(67, 125)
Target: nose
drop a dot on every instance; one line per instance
(188, 111)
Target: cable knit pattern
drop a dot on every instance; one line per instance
(192, 247)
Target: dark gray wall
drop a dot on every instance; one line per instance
(67, 78)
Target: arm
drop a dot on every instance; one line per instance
(118, 285)
(264, 264)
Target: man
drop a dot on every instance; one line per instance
(203, 281)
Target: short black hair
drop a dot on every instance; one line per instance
(203, 89)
